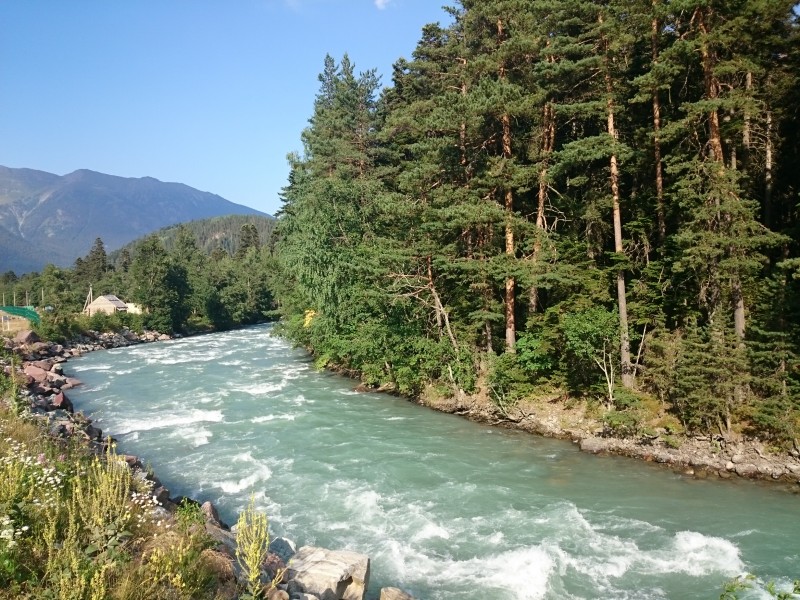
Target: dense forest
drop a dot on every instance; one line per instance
(562, 198)
(197, 276)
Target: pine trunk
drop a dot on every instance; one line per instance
(622, 303)
(548, 141)
(662, 225)
(508, 204)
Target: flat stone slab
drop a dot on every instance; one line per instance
(330, 574)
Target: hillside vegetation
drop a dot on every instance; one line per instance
(179, 286)
(563, 199)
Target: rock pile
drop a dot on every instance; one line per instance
(705, 456)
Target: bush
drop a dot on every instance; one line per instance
(77, 526)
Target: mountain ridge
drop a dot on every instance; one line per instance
(48, 218)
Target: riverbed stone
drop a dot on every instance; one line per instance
(746, 470)
(593, 445)
(27, 336)
(36, 373)
(283, 547)
(393, 593)
(60, 400)
(330, 574)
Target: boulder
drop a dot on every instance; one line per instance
(212, 516)
(746, 470)
(27, 336)
(56, 380)
(330, 574)
(61, 401)
(161, 494)
(392, 593)
(71, 383)
(593, 445)
(38, 374)
(284, 548)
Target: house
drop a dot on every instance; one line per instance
(108, 304)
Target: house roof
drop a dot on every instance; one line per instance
(111, 298)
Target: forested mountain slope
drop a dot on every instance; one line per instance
(564, 197)
(217, 233)
(45, 218)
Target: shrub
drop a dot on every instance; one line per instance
(76, 526)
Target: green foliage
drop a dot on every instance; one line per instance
(78, 526)
(618, 177)
(189, 515)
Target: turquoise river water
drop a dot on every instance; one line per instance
(447, 509)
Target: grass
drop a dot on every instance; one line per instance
(74, 526)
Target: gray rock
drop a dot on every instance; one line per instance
(329, 574)
(161, 494)
(593, 445)
(746, 470)
(210, 511)
(284, 548)
(61, 401)
(392, 593)
(36, 373)
(27, 337)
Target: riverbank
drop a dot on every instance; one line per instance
(306, 573)
(696, 456)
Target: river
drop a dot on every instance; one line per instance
(447, 509)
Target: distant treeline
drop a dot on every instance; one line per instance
(214, 234)
(202, 275)
(596, 199)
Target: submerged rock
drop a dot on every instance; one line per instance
(392, 593)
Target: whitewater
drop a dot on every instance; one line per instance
(447, 509)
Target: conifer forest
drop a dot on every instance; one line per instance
(562, 198)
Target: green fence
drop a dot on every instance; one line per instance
(26, 312)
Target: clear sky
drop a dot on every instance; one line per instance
(210, 93)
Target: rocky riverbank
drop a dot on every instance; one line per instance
(697, 456)
(308, 573)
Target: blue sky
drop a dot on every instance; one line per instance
(212, 94)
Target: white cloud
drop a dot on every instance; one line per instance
(381, 4)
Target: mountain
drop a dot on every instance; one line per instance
(216, 232)
(47, 218)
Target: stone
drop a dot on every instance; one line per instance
(70, 383)
(38, 374)
(737, 459)
(210, 511)
(330, 574)
(283, 547)
(276, 594)
(93, 433)
(161, 494)
(27, 336)
(593, 445)
(56, 380)
(61, 401)
(746, 470)
(393, 593)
